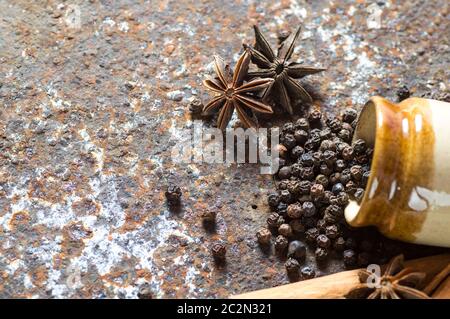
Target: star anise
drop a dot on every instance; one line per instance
(284, 88)
(233, 93)
(397, 282)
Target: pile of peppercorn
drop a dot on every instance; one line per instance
(320, 171)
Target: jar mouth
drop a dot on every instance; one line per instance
(366, 128)
(369, 119)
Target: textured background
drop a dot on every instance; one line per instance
(88, 104)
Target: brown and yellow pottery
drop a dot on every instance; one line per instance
(408, 193)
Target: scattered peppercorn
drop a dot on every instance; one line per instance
(307, 273)
(292, 265)
(263, 235)
(321, 254)
(323, 241)
(173, 195)
(218, 250)
(209, 215)
(294, 211)
(285, 230)
(296, 250)
(349, 258)
(281, 243)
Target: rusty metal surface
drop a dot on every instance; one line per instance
(87, 111)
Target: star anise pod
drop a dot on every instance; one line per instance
(396, 283)
(233, 93)
(278, 67)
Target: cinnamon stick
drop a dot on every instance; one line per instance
(339, 284)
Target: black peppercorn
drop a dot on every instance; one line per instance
(345, 176)
(348, 127)
(339, 165)
(304, 187)
(403, 93)
(349, 258)
(283, 184)
(317, 158)
(302, 124)
(342, 199)
(282, 209)
(332, 231)
(361, 159)
(289, 141)
(285, 230)
(322, 180)
(321, 225)
(297, 151)
(309, 209)
(330, 219)
(145, 292)
(323, 241)
(315, 116)
(285, 196)
(272, 220)
(311, 235)
(334, 178)
(307, 273)
(209, 215)
(306, 160)
(173, 194)
(218, 250)
(288, 128)
(344, 135)
(313, 143)
(327, 145)
(273, 200)
(281, 243)
(348, 153)
(263, 235)
(325, 133)
(294, 211)
(335, 211)
(296, 250)
(356, 172)
(349, 115)
(359, 146)
(340, 145)
(351, 187)
(292, 265)
(359, 194)
(296, 169)
(301, 136)
(329, 157)
(325, 170)
(339, 244)
(335, 125)
(317, 191)
(285, 172)
(337, 188)
(321, 254)
(307, 173)
(297, 226)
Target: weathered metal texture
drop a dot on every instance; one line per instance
(88, 107)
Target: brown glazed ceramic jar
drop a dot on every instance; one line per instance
(408, 193)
